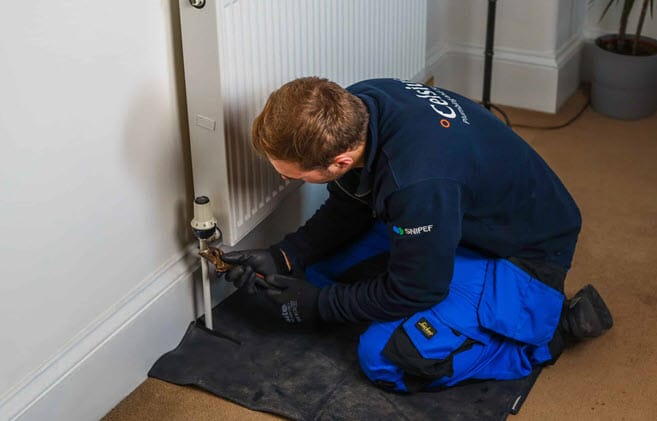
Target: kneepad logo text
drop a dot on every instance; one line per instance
(412, 231)
(425, 328)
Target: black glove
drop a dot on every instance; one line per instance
(295, 299)
(252, 266)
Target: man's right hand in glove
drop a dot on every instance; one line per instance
(251, 266)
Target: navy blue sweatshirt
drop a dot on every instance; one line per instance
(441, 171)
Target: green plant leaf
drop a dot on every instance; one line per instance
(604, 12)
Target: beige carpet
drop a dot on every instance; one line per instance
(610, 167)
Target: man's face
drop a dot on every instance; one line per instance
(292, 171)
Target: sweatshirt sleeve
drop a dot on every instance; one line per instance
(425, 225)
(340, 220)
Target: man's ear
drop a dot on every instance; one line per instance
(343, 161)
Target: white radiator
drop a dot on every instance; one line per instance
(236, 52)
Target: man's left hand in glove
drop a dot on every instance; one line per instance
(295, 299)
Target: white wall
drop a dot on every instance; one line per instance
(92, 166)
(542, 48)
(95, 202)
(437, 33)
(536, 60)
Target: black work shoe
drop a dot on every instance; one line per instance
(586, 315)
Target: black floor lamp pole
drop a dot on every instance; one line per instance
(488, 61)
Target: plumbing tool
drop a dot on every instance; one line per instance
(213, 255)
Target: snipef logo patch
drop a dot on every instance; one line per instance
(412, 231)
(425, 328)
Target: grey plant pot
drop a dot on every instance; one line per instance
(624, 86)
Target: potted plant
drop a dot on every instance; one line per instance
(625, 67)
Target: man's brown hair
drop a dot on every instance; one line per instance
(309, 121)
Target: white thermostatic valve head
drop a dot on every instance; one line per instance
(204, 222)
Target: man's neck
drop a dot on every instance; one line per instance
(358, 155)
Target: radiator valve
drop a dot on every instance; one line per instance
(204, 223)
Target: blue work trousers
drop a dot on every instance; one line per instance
(495, 323)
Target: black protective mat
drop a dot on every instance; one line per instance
(256, 362)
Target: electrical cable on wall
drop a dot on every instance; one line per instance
(488, 73)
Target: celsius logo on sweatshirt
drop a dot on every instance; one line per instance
(441, 103)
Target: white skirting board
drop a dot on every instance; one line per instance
(112, 356)
(523, 79)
